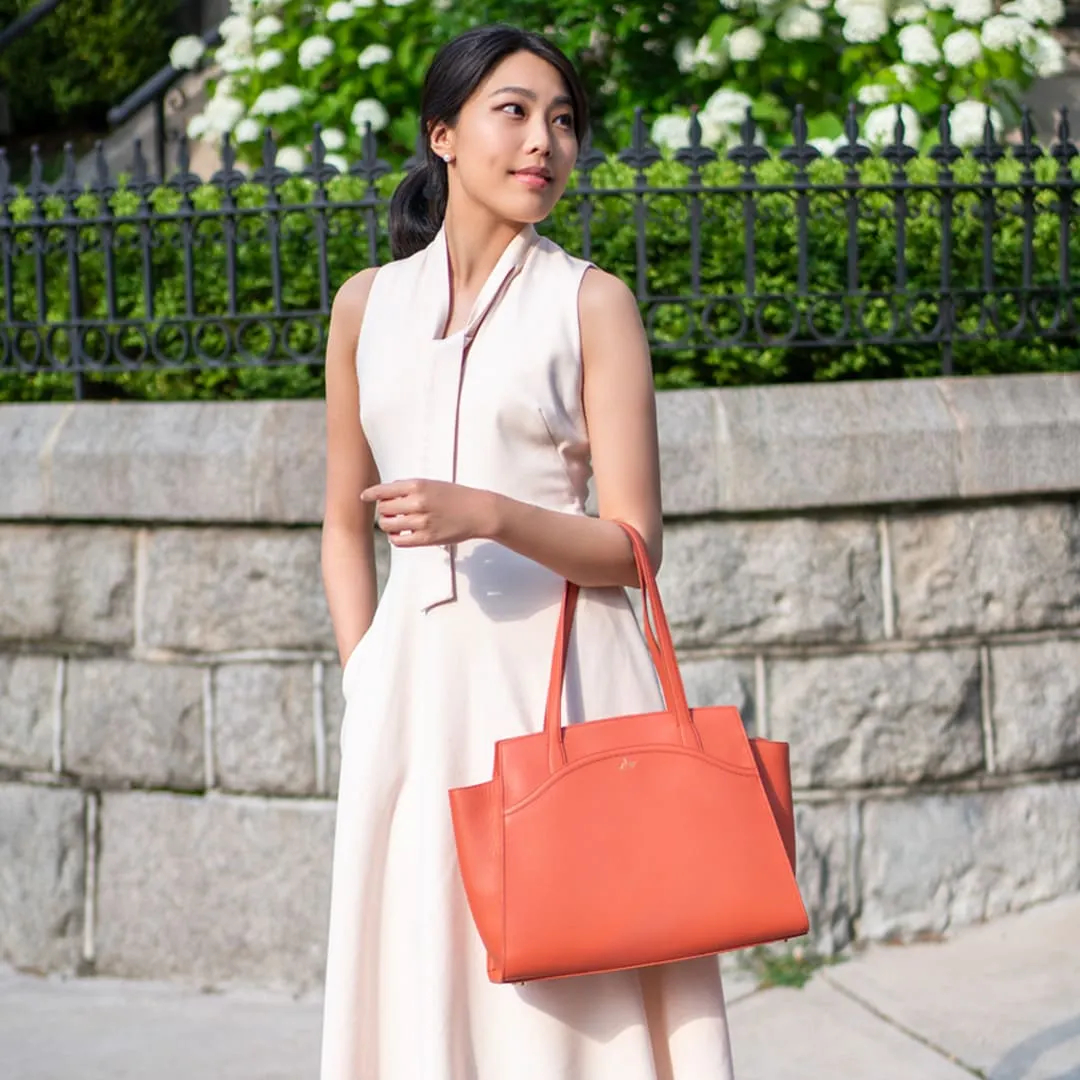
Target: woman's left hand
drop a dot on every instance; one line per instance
(423, 513)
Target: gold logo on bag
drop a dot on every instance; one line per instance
(626, 763)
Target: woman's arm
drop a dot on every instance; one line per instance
(620, 409)
(348, 549)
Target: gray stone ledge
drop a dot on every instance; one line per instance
(727, 451)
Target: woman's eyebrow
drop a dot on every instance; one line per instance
(530, 94)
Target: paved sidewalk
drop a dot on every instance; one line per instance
(999, 1001)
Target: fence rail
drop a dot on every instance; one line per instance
(725, 257)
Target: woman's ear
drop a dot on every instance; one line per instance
(442, 141)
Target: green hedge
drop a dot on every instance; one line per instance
(614, 247)
(82, 59)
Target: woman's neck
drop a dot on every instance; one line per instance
(475, 241)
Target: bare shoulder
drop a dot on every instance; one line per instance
(351, 299)
(604, 296)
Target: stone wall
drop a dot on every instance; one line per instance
(886, 575)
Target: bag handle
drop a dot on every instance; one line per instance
(661, 649)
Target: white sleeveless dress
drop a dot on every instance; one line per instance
(458, 656)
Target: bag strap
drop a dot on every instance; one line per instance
(661, 650)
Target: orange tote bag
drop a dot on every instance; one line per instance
(629, 841)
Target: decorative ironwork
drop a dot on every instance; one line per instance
(125, 273)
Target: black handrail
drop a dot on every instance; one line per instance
(153, 91)
(25, 21)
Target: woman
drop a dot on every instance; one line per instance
(473, 386)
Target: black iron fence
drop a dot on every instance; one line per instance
(749, 266)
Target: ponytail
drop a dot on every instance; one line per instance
(418, 207)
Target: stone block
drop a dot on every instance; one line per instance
(718, 680)
(27, 430)
(1018, 433)
(1036, 711)
(214, 590)
(69, 583)
(686, 425)
(136, 722)
(823, 852)
(42, 876)
(789, 581)
(264, 728)
(218, 889)
(27, 690)
(164, 462)
(878, 718)
(844, 444)
(989, 570)
(930, 862)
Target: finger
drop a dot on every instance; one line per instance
(403, 504)
(392, 490)
(401, 523)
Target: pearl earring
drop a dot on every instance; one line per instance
(447, 158)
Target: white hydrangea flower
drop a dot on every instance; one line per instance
(1044, 53)
(873, 94)
(333, 139)
(248, 130)
(731, 5)
(684, 55)
(704, 53)
(828, 147)
(1050, 12)
(397, 3)
(223, 113)
(818, 5)
(939, 5)
(357, 4)
(270, 59)
(197, 127)
(1004, 31)
(235, 62)
(186, 52)
(266, 28)
(866, 23)
(799, 24)
(338, 161)
(880, 125)
(672, 132)
(967, 122)
(277, 100)
(369, 111)
(340, 11)
(906, 75)
(917, 45)
(975, 12)
(314, 50)
(910, 12)
(746, 43)
(844, 8)
(235, 29)
(961, 47)
(374, 54)
(291, 159)
(726, 108)
(240, 7)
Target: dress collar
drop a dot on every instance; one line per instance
(437, 279)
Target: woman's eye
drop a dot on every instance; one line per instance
(566, 119)
(513, 105)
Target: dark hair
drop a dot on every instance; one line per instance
(419, 202)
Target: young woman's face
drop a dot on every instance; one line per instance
(514, 143)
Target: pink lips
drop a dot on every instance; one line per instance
(533, 178)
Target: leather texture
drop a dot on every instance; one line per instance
(628, 841)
